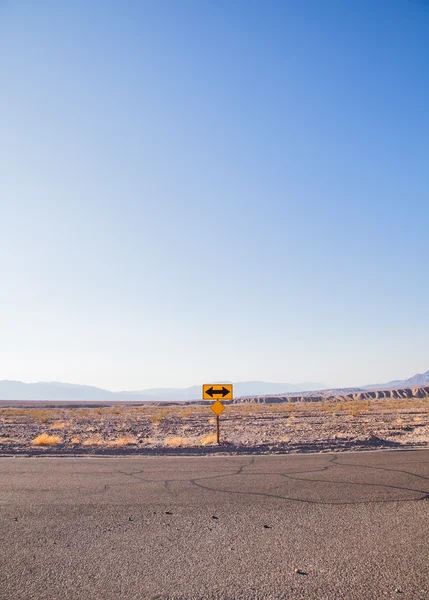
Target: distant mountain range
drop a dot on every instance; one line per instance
(421, 379)
(16, 390)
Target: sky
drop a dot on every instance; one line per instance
(201, 191)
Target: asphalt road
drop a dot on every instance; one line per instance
(354, 525)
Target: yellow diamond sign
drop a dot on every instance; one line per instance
(217, 407)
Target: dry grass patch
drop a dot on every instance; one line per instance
(208, 439)
(75, 441)
(95, 440)
(40, 415)
(244, 410)
(123, 440)
(357, 408)
(157, 418)
(44, 439)
(116, 411)
(57, 425)
(176, 441)
(186, 412)
(13, 412)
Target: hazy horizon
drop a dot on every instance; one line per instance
(200, 190)
(312, 383)
(195, 384)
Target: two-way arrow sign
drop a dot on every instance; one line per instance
(222, 392)
(212, 390)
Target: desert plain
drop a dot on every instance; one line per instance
(313, 423)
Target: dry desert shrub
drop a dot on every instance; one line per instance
(95, 440)
(116, 411)
(249, 411)
(357, 408)
(175, 441)
(57, 425)
(123, 440)
(187, 412)
(40, 415)
(156, 418)
(208, 439)
(5, 440)
(45, 439)
(13, 412)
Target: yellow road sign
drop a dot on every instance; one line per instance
(214, 391)
(217, 408)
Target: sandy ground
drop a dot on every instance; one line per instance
(285, 427)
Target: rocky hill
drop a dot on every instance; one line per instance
(336, 395)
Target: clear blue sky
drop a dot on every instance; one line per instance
(195, 191)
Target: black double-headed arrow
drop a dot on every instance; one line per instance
(212, 392)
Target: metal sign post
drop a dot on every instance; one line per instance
(218, 408)
(211, 390)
